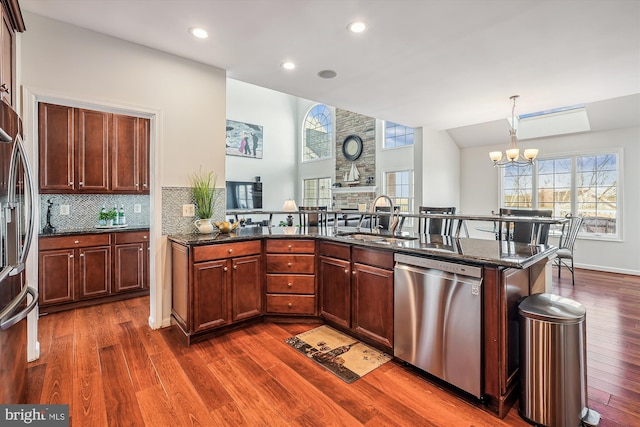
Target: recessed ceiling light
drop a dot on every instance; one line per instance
(198, 32)
(327, 74)
(288, 65)
(357, 27)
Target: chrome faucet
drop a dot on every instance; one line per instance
(393, 216)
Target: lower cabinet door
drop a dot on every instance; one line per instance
(246, 273)
(210, 295)
(335, 290)
(56, 279)
(129, 267)
(373, 303)
(94, 272)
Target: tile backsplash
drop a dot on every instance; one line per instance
(172, 200)
(84, 209)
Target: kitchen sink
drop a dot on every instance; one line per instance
(370, 237)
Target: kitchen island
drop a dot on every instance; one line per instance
(345, 279)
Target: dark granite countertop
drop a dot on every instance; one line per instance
(95, 231)
(468, 250)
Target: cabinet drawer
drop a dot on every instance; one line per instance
(290, 284)
(291, 263)
(291, 304)
(75, 241)
(230, 250)
(374, 257)
(294, 246)
(131, 237)
(335, 250)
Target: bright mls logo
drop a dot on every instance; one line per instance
(34, 415)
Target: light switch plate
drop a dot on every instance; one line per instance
(137, 208)
(64, 209)
(189, 210)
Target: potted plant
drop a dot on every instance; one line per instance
(203, 188)
(107, 217)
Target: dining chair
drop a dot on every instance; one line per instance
(312, 219)
(564, 254)
(440, 226)
(524, 232)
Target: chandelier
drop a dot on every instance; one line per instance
(513, 156)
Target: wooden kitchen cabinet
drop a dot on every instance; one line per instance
(72, 268)
(334, 276)
(130, 154)
(356, 290)
(84, 269)
(372, 292)
(291, 280)
(56, 139)
(57, 276)
(502, 288)
(92, 147)
(87, 151)
(131, 261)
(215, 285)
(12, 22)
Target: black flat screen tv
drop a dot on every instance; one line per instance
(244, 195)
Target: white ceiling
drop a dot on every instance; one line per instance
(441, 64)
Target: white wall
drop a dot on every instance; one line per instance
(440, 170)
(185, 99)
(276, 112)
(479, 192)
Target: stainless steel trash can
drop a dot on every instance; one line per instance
(553, 362)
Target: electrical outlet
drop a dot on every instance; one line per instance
(189, 210)
(64, 209)
(137, 208)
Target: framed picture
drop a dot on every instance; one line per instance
(244, 140)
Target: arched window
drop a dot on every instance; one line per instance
(317, 137)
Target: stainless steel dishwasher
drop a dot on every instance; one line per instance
(438, 319)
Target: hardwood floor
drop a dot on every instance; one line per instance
(111, 369)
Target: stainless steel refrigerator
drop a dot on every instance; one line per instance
(17, 300)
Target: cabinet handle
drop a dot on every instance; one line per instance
(353, 272)
(289, 284)
(70, 183)
(346, 271)
(235, 267)
(140, 249)
(230, 250)
(144, 185)
(289, 305)
(225, 269)
(289, 246)
(81, 183)
(288, 264)
(70, 256)
(144, 237)
(76, 242)
(4, 88)
(82, 255)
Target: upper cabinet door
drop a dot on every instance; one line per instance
(56, 148)
(144, 129)
(7, 57)
(125, 154)
(93, 150)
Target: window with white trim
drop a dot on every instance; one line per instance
(584, 184)
(396, 135)
(316, 192)
(317, 138)
(399, 187)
